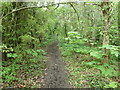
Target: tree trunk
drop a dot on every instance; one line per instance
(119, 20)
(106, 15)
(87, 24)
(65, 28)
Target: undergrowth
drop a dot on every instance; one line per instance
(23, 68)
(87, 71)
(86, 67)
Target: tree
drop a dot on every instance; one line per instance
(105, 6)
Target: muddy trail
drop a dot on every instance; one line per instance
(56, 75)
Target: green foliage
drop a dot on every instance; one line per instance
(92, 63)
(9, 73)
(12, 67)
(12, 55)
(96, 54)
(35, 52)
(113, 49)
(78, 66)
(32, 52)
(84, 50)
(4, 48)
(27, 32)
(111, 85)
(107, 70)
(26, 38)
(75, 37)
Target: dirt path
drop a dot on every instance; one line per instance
(56, 76)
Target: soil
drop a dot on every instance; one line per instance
(56, 75)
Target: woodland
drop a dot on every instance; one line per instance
(59, 44)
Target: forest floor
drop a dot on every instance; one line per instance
(56, 75)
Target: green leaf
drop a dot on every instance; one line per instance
(96, 54)
(91, 63)
(28, 51)
(38, 50)
(113, 52)
(102, 68)
(106, 73)
(113, 84)
(12, 55)
(34, 54)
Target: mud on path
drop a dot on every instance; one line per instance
(56, 76)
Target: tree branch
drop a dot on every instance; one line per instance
(75, 12)
(23, 8)
(57, 6)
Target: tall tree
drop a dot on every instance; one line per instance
(119, 18)
(105, 6)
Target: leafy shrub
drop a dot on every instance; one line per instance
(107, 70)
(26, 38)
(32, 52)
(9, 73)
(4, 48)
(74, 38)
(24, 61)
(14, 55)
(96, 54)
(113, 49)
(111, 85)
